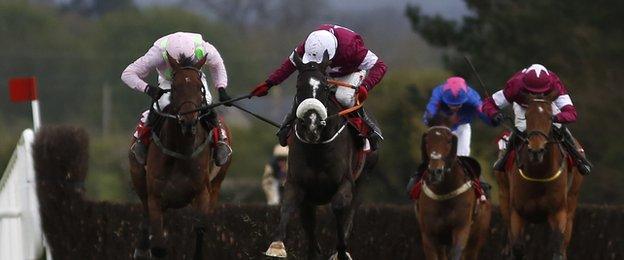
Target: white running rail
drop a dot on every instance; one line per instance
(21, 236)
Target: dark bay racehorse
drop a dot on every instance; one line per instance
(453, 223)
(322, 161)
(179, 169)
(541, 185)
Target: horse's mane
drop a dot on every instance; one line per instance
(440, 119)
(185, 61)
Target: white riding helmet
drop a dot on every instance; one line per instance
(179, 44)
(317, 43)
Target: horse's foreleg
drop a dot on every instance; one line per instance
(142, 250)
(431, 253)
(460, 239)
(293, 197)
(343, 205)
(503, 195)
(308, 221)
(572, 202)
(157, 239)
(517, 231)
(558, 225)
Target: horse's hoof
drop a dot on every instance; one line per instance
(141, 254)
(276, 249)
(159, 252)
(335, 256)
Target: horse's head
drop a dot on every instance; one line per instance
(187, 92)
(538, 123)
(312, 98)
(439, 148)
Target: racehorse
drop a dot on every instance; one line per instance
(541, 185)
(322, 162)
(454, 223)
(179, 169)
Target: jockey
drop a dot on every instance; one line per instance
(179, 45)
(274, 175)
(461, 103)
(351, 62)
(536, 79)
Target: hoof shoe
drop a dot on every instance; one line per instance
(141, 254)
(276, 249)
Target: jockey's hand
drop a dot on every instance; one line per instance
(223, 96)
(154, 92)
(261, 90)
(362, 93)
(498, 119)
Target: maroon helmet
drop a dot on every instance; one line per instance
(537, 79)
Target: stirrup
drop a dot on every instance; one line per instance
(219, 158)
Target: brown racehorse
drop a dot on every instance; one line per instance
(453, 224)
(540, 186)
(179, 169)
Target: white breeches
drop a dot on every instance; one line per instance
(345, 95)
(520, 119)
(463, 133)
(164, 99)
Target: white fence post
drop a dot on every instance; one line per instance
(21, 236)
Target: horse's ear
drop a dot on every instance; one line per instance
(297, 60)
(325, 61)
(423, 149)
(173, 62)
(453, 146)
(201, 62)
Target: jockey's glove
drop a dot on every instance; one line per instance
(261, 90)
(362, 93)
(498, 119)
(154, 92)
(223, 96)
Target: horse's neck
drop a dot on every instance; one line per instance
(551, 162)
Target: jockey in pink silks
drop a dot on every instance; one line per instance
(180, 46)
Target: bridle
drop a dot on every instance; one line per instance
(203, 110)
(448, 160)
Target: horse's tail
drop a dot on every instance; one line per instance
(60, 155)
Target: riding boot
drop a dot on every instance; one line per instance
(222, 149)
(416, 177)
(145, 130)
(499, 165)
(583, 165)
(374, 137)
(284, 131)
(486, 188)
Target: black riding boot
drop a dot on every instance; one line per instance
(284, 131)
(583, 165)
(499, 165)
(374, 137)
(416, 177)
(153, 123)
(222, 150)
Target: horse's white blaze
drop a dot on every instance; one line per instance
(437, 133)
(315, 85)
(313, 121)
(435, 155)
(187, 80)
(540, 109)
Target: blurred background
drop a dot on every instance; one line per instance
(78, 48)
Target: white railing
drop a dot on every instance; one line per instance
(20, 223)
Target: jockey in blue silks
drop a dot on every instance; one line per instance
(461, 104)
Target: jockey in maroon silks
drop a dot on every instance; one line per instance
(351, 62)
(536, 79)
